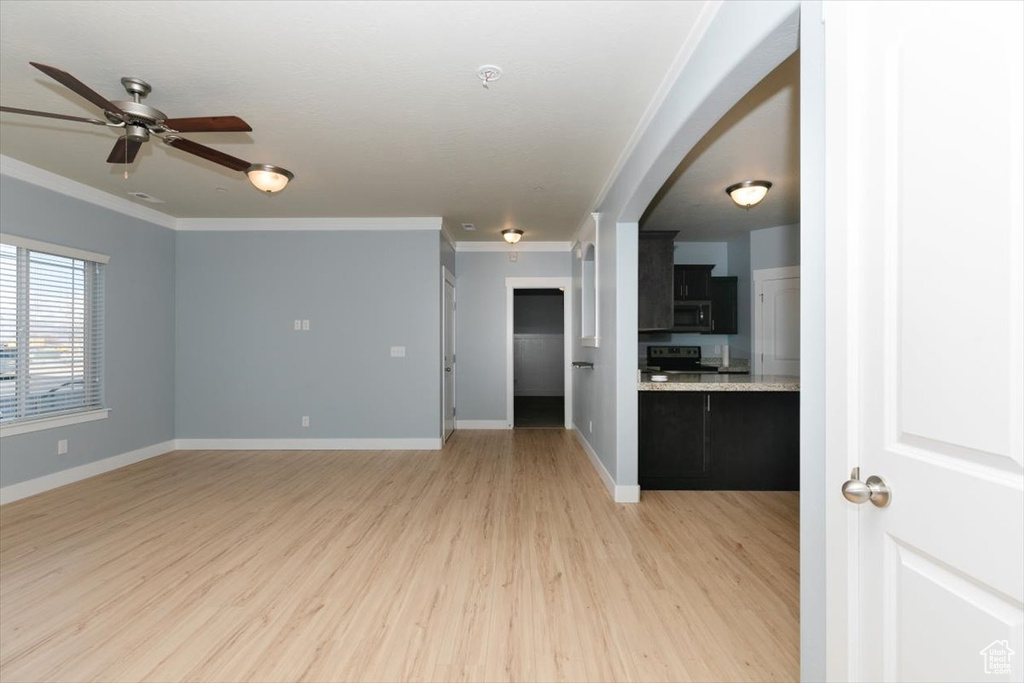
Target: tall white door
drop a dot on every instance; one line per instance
(924, 140)
(448, 381)
(777, 321)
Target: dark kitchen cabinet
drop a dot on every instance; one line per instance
(673, 452)
(723, 440)
(692, 282)
(654, 308)
(724, 305)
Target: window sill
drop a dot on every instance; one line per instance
(51, 422)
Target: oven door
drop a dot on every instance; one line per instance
(692, 316)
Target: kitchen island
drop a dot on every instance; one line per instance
(717, 431)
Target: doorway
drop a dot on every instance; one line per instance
(447, 354)
(538, 356)
(538, 349)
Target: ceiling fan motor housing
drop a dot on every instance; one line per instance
(136, 132)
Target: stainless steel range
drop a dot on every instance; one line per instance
(676, 360)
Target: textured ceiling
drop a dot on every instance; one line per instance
(374, 106)
(758, 139)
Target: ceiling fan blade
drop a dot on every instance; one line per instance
(209, 124)
(32, 112)
(69, 81)
(124, 151)
(208, 153)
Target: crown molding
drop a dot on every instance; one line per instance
(306, 224)
(503, 246)
(28, 173)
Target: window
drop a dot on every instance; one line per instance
(51, 331)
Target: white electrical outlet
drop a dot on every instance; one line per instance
(398, 352)
(305, 326)
(62, 447)
(305, 420)
(718, 349)
(298, 325)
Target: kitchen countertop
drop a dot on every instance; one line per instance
(715, 382)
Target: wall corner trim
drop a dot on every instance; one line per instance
(28, 173)
(620, 494)
(310, 224)
(482, 424)
(309, 444)
(522, 246)
(24, 489)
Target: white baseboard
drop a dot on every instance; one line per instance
(620, 494)
(427, 444)
(24, 489)
(481, 424)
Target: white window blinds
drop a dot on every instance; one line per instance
(51, 330)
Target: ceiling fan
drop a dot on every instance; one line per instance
(139, 121)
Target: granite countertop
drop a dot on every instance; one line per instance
(720, 382)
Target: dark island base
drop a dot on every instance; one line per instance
(728, 440)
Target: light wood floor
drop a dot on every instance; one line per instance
(499, 558)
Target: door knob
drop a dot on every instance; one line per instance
(448, 369)
(874, 489)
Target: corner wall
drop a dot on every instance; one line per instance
(139, 330)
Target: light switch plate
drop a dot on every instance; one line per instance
(513, 256)
(62, 447)
(305, 326)
(398, 352)
(298, 324)
(305, 420)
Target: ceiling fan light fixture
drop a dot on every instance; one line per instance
(512, 235)
(748, 193)
(268, 178)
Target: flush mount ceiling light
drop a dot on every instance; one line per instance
(268, 178)
(748, 193)
(512, 235)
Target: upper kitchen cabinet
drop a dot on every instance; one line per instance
(724, 305)
(692, 282)
(655, 288)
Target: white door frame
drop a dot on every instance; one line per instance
(446, 277)
(512, 284)
(758, 278)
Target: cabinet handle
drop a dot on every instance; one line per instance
(712, 324)
(708, 397)
(686, 290)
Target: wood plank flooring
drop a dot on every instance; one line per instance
(500, 558)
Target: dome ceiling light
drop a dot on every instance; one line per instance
(748, 193)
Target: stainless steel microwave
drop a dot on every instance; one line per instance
(691, 316)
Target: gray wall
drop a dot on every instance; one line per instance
(139, 329)
(739, 265)
(775, 247)
(538, 314)
(480, 324)
(243, 372)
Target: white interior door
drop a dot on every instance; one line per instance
(777, 321)
(924, 116)
(448, 381)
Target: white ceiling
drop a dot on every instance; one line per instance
(758, 139)
(375, 106)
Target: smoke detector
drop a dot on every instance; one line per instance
(488, 73)
(468, 226)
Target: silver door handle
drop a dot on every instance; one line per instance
(874, 489)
